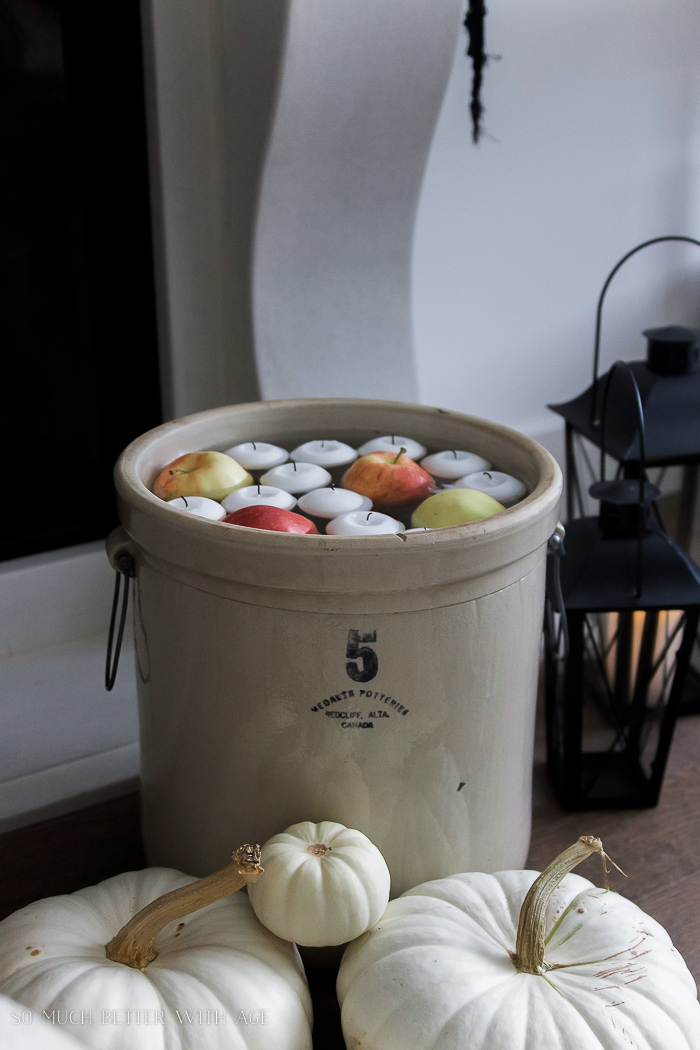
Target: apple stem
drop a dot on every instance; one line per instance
(401, 453)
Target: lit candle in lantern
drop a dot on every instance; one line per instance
(297, 478)
(363, 523)
(258, 495)
(324, 452)
(503, 487)
(257, 455)
(394, 443)
(454, 463)
(200, 506)
(332, 502)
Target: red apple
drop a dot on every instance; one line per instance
(210, 474)
(274, 519)
(393, 483)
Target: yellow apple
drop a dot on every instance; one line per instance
(210, 474)
(454, 507)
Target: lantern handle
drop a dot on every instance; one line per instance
(642, 458)
(599, 314)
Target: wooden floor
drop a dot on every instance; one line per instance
(659, 849)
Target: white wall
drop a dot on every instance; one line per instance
(592, 146)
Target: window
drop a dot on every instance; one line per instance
(77, 303)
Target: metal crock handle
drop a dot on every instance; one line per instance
(556, 640)
(121, 551)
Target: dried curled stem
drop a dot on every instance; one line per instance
(134, 944)
(529, 949)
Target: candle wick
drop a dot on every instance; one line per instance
(294, 464)
(488, 475)
(332, 487)
(453, 453)
(254, 448)
(185, 502)
(259, 492)
(368, 516)
(323, 442)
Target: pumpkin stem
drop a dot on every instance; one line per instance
(134, 945)
(529, 948)
(318, 849)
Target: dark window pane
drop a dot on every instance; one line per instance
(77, 313)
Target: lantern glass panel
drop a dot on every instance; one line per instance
(611, 701)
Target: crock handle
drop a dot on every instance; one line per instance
(557, 640)
(121, 551)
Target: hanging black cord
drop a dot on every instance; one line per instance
(474, 24)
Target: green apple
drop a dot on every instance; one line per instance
(210, 474)
(454, 507)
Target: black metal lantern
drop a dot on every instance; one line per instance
(630, 600)
(669, 385)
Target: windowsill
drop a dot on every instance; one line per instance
(66, 742)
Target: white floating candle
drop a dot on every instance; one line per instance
(454, 463)
(258, 495)
(325, 452)
(200, 506)
(363, 523)
(257, 455)
(503, 487)
(297, 477)
(393, 443)
(332, 502)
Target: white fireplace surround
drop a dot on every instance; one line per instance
(289, 140)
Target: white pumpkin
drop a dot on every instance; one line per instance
(21, 1029)
(218, 978)
(325, 884)
(587, 969)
